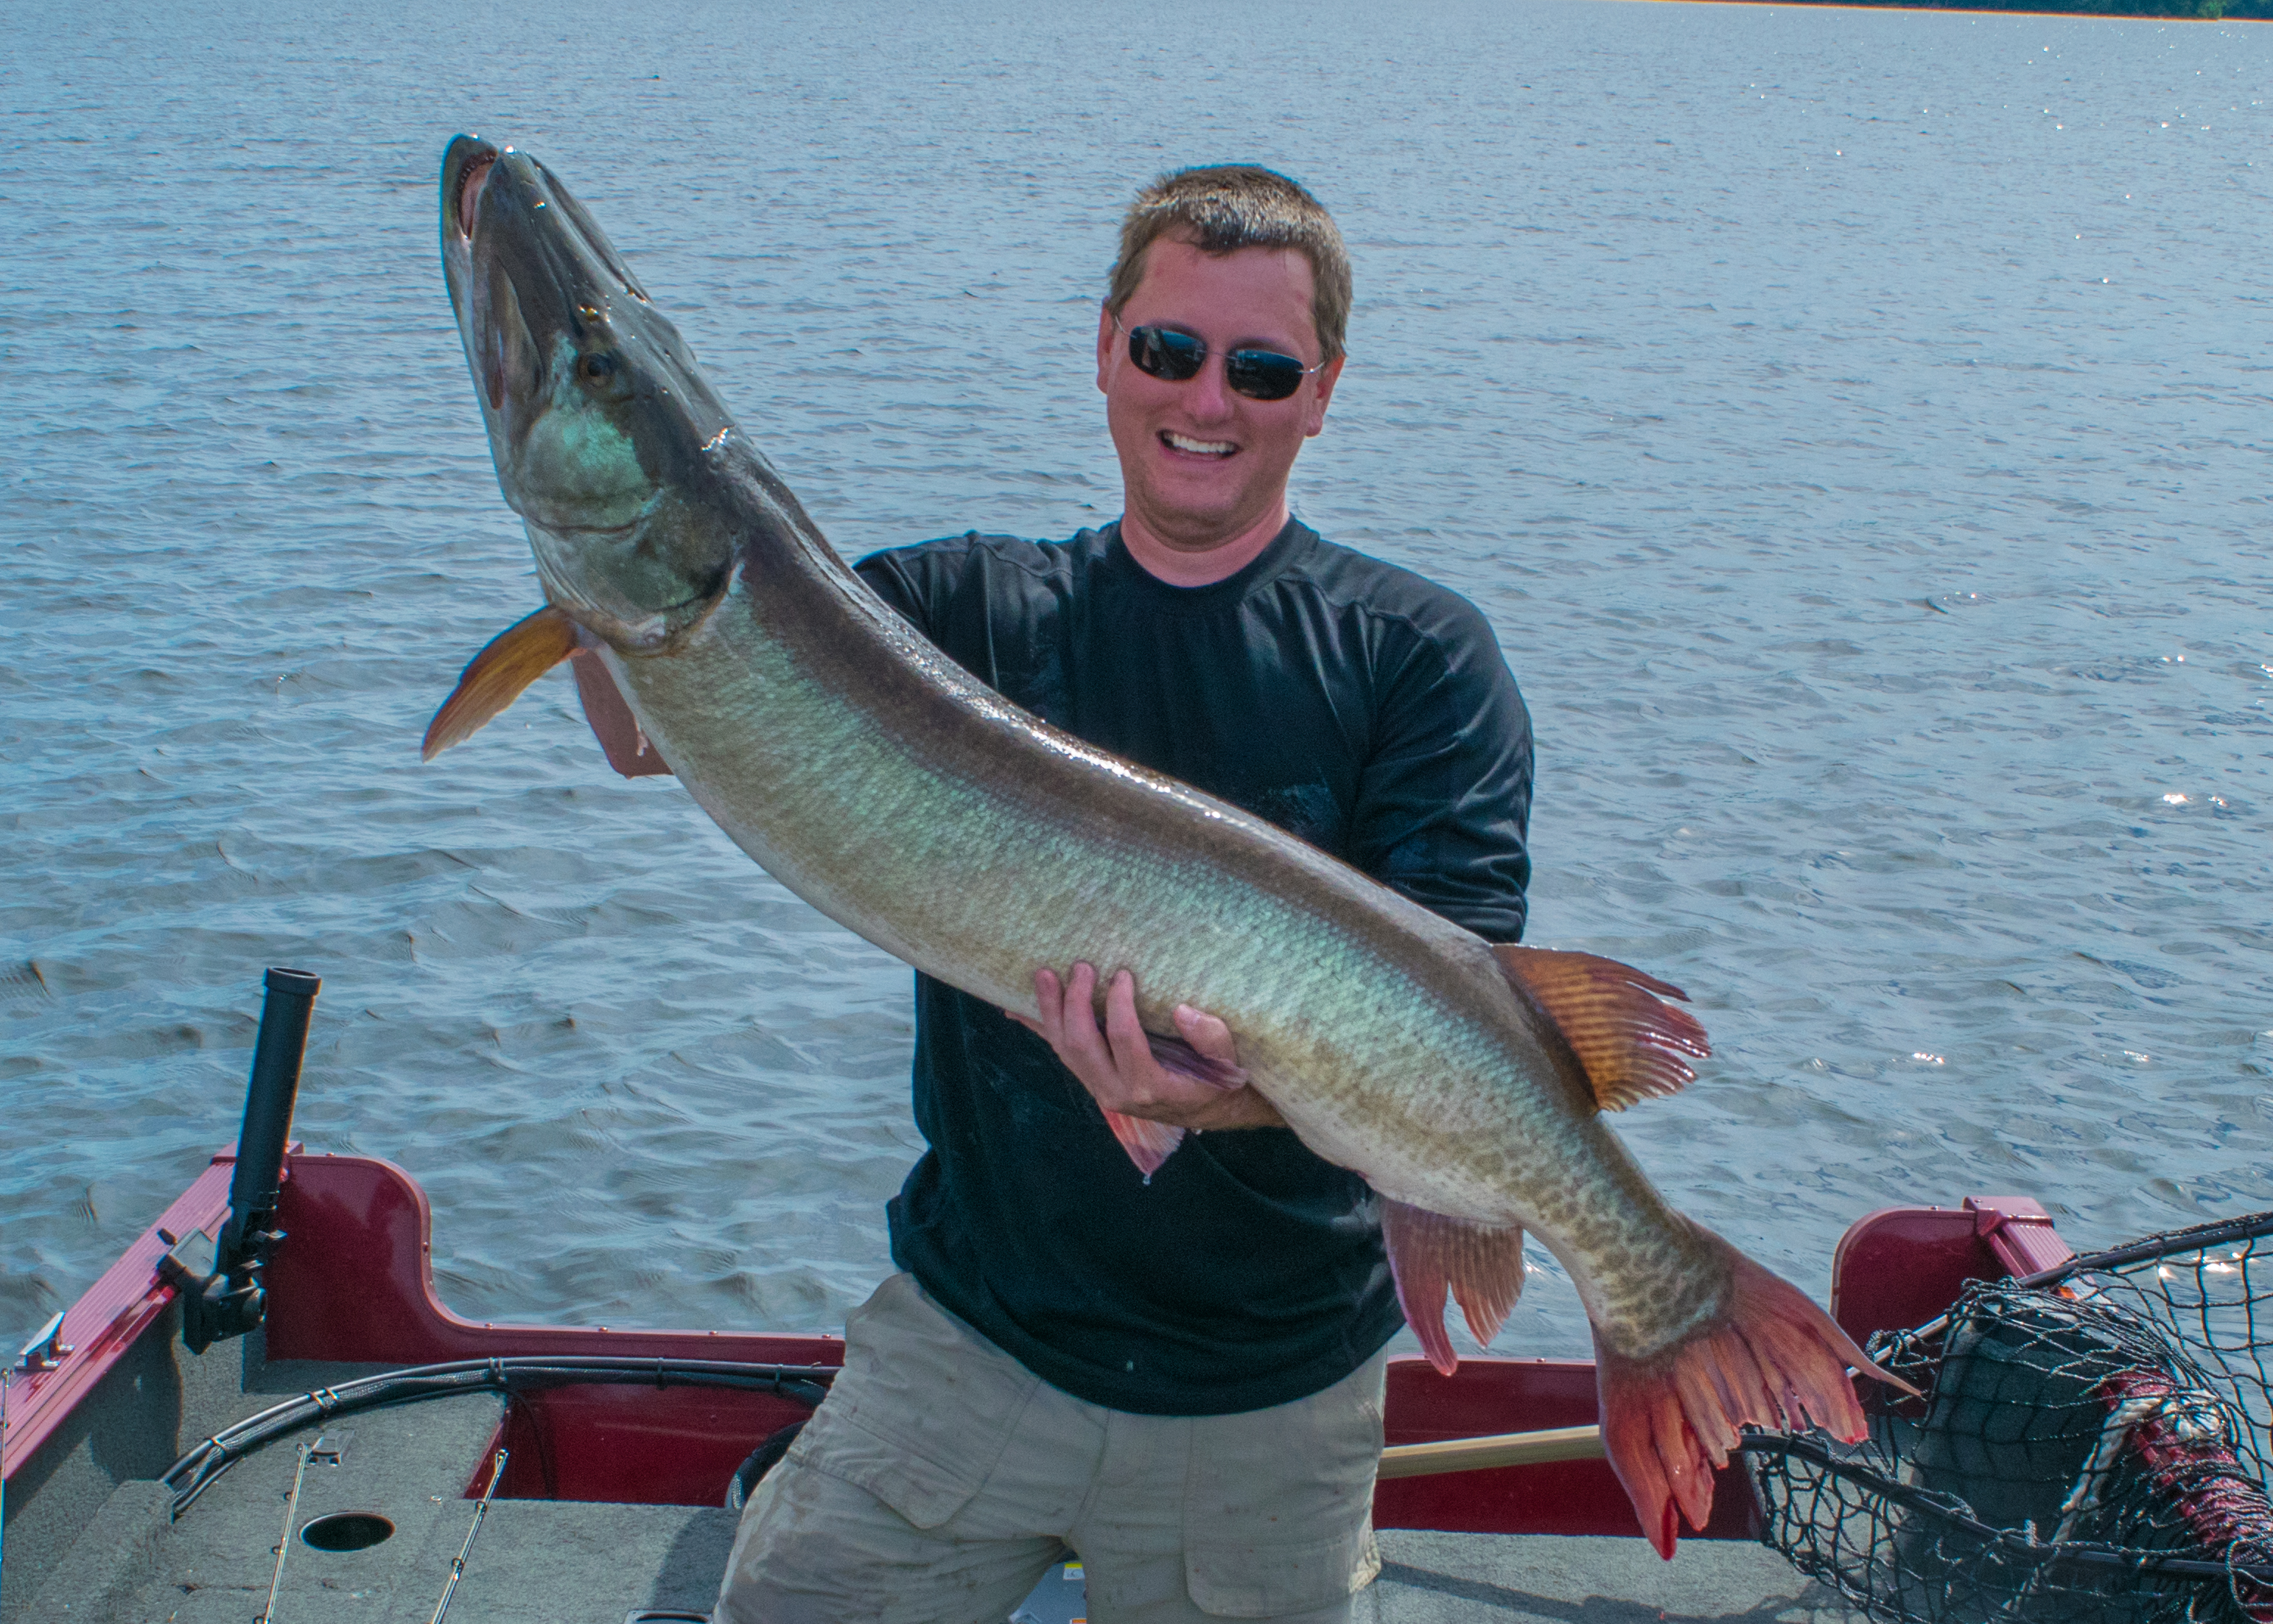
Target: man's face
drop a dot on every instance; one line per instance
(1200, 464)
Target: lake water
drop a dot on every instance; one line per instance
(1855, 423)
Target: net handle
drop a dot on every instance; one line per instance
(2200, 1238)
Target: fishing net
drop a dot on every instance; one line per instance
(2094, 1444)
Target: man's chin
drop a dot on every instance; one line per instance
(1192, 527)
(1201, 497)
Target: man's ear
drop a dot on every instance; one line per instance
(1325, 392)
(1107, 332)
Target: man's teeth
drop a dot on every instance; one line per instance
(1203, 448)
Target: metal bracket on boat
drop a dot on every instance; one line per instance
(188, 1262)
(221, 1278)
(46, 1351)
(218, 1303)
(2020, 1233)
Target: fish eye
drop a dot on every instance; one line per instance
(596, 368)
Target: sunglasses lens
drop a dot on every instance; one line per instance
(1263, 374)
(1258, 374)
(1164, 354)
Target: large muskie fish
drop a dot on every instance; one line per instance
(881, 783)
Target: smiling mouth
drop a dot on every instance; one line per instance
(1195, 447)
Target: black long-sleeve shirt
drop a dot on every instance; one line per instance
(1349, 702)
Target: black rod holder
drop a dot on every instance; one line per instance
(222, 1291)
(268, 1100)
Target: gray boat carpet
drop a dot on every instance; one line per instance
(1432, 1578)
(566, 1562)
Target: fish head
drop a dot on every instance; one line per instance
(608, 443)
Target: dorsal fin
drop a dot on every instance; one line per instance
(493, 679)
(1615, 1018)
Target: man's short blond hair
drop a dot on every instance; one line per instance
(1227, 206)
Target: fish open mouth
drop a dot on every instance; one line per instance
(470, 193)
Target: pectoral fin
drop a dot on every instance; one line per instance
(1179, 1058)
(1429, 1253)
(629, 750)
(1615, 1018)
(493, 679)
(1148, 1143)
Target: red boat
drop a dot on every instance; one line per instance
(286, 1475)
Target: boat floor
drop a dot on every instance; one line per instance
(566, 1562)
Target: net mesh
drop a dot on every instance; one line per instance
(2093, 1445)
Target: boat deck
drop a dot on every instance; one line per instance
(88, 1534)
(1434, 1578)
(544, 1561)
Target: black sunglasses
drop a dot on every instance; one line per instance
(1174, 357)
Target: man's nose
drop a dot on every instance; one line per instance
(1211, 393)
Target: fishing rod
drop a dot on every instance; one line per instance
(458, 1566)
(284, 1540)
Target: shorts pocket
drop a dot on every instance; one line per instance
(1270, 1581)
(922, 1410)
(1278, 1502)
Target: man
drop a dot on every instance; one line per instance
(1177, 1377)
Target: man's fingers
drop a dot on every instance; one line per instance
(1081, 1038)
(1050, 999)
(1067, 1023)
(1116, 1062)
(1132, 1049)
(1207, 1033)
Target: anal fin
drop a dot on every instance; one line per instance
(1480, 1265)
(1148, 1143)
(493, 679)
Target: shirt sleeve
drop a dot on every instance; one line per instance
(1443, 803)
(886, 576)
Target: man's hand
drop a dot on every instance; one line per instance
(1116, 1066)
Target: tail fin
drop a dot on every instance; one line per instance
(1772, 1359)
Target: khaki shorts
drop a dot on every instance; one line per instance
(941, 1479)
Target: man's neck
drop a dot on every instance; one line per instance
(1189, 565)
